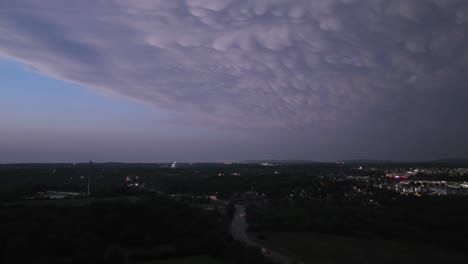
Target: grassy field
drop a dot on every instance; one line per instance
(203, 259)
(321, 249)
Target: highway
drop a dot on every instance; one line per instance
(239, 232)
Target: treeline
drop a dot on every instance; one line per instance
(116, 232)
(438, 221)
(22, 180)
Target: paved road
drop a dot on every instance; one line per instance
(239, 232)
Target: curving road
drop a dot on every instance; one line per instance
(239, 232)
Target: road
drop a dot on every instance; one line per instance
(239, 232)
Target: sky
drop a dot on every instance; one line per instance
(229, 80)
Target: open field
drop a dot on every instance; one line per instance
(321, 249)
(203, 259)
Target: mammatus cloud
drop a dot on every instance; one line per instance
(248, 62)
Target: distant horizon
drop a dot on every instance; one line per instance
(251, 161)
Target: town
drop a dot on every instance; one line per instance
(261, 205)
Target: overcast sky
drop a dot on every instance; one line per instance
(220, 80)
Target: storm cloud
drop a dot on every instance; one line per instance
(257, 63)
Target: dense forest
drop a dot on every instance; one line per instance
(121, 231)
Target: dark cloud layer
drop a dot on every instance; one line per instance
(384, 70)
